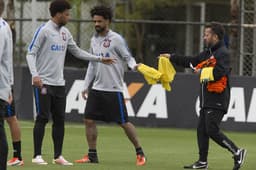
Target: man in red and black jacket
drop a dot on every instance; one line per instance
(213, 64)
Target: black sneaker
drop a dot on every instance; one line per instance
(197, 165)
(239, 159)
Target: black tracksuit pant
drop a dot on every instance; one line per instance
(3, 141)
(50, 100)
(208, 127)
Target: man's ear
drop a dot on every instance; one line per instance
(58, 14)
(216, 37)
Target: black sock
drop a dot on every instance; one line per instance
(17, 149)
(92, 153)
(139, 151)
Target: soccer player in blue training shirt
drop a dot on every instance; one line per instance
(45, 58)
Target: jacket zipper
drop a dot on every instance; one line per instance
(202, 93)
(203, 85)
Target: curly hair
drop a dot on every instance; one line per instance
(104, 11)
(59, 6)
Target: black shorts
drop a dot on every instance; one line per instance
(106, 106)
(3, 108)
(10, 108)
(50, 100)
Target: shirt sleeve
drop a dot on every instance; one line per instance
(78, 52)
(185, 61)
(2, 40)
(222, 67)
(33, 49)
(10, 54)
(90, 74)
(124, 52)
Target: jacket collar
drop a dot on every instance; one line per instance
(108, 33)
(54, 25)
(216, 46)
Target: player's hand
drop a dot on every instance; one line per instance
(165, 55)
(85, 94)
(37, 82)
(108, 60)
(137, 66)
(10, 99)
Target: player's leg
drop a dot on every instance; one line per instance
(202, 137)
(14, 126)
(213, 120)
(92, 112)
(43, 105)
(16, 141)
(58, 117)
(91, 137)
(15, 133)
(58, 129)
(118, 113)
(130, 131)
(203, 144)
(3, 140)
(91, 133)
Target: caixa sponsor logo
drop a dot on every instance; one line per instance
(237, 106)
(102, 54)
(154, 102)
(57, 47)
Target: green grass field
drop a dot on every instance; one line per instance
(166, 149)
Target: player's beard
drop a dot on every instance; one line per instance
(62, 24)
(99, 29)
(208, 44)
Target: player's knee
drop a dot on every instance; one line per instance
(58, 123)
(89, 122)
(212, 132)
(125, 125)
(200, 130)
(40, 120)
(11, 119)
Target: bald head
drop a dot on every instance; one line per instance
(1, 7)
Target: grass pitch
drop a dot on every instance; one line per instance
(166, 149)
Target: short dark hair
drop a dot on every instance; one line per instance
(217, 29)
(59, 6)
(104, 11)
(1, 7)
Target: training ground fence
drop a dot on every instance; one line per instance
(179, 32)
